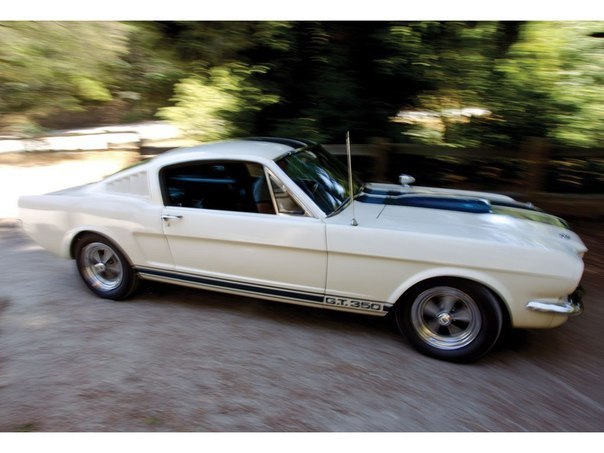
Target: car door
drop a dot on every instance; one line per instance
(228, 229)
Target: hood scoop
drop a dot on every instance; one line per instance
(449, 203)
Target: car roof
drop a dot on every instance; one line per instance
(264, 147)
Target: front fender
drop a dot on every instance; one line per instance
(515, 291)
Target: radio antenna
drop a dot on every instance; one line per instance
(350, 185)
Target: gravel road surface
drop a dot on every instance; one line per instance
(177, 359)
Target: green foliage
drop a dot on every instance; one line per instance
(540, 79)
(329, 80)
(91, 90)
(207, 108)
(315, 80)
(579, 85)
(49, 66)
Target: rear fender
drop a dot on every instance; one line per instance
(68, 244)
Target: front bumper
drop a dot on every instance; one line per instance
(572, 305)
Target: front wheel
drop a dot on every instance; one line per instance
(104, 268)
(450, 319)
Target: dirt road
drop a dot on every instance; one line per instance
(174, 359)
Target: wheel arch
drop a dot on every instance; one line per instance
(79, 234)
(491, 284)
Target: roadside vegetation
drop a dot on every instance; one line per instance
(457, 83)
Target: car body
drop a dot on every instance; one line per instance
(273, 218)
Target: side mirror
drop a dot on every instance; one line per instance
(406, 180)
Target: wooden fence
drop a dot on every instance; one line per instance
(566, 181)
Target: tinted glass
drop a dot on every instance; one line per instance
(322, 177)
(223, 186)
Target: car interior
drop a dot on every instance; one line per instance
(224, 186)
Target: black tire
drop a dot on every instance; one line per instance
(450, 319)
(104, 268)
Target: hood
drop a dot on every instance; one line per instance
(464, 214)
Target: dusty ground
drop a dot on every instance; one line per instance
(174, 359)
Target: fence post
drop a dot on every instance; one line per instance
(536, 151)
(380, 150)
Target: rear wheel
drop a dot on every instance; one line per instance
(104, 268)
(450, 319)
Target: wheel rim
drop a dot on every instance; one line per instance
(102, 267)
(446, 318)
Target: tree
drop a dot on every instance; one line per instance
(216, 106)
(315, 79)
(330, 77)
(538, 79)
(50, 66)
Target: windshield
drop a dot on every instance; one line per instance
(321, 176)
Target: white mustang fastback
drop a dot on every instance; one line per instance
(276, 219)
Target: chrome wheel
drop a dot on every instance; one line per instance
(102, 267)
(450, 318)
(446, 318)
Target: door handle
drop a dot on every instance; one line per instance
(168, 217)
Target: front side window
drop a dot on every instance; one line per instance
(283, 201)
(223, 186)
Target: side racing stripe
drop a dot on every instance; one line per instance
(326, 301)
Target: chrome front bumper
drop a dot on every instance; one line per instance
(572, 305)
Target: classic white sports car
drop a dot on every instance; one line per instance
(276, 219)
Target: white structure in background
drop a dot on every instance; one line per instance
(23, 176)
(417, 116)
(92, 139)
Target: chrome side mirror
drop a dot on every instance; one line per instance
(406, 180)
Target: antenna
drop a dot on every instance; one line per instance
(350, 185)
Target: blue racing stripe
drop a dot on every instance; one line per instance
(208, 281)
(321, 299)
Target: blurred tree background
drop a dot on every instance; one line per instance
(444, 83)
